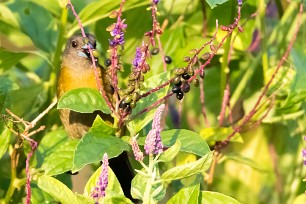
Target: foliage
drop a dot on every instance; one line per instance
(237, 138)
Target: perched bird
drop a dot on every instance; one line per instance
(77, 72)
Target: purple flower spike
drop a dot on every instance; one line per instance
(155, 1)
(99, 190)
(118, 34)
(153, 144)
(138, 57)
(137, 153)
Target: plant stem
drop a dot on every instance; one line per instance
(147, 193)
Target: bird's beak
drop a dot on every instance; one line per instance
(84, 52)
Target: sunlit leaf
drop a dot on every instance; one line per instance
(190, 141)
(209, 197)
(186, 195)
(9, 59)
(215, 3)
(83, 100)
(170, 153)
(244, 160)
(57, 189)
(189, 169)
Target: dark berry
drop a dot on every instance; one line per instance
(186, 88)
(123, 104)
(154, 51)
(176, 89)
(108, 62)
(168, 59)
(186, 76)
(179, 95)
(196, 82)
(127, 109)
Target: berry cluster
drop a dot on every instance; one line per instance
(180, 81)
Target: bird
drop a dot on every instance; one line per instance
(76, 71)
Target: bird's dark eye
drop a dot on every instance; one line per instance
(74, 44)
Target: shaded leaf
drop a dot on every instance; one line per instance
(209, 197)
(186, 195)
(83, 100)
(40, 29)
(8, 59)
(189, 169)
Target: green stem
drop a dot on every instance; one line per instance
(147, 193)
(11, 189)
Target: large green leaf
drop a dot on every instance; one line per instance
(37, 23)
(83, 100)
(209, 197)
(95, 143)
(186, 195)
(58, 190)
(140, 122)
(8, 59)
(188, 169)
(190, 141)
(299, 60)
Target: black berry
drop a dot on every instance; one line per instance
(168, 59)
(186, 88)
(176, 89)
(154, 51)
(108, 62)
(185, 76)
(179, 95)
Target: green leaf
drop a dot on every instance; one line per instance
(83, 100)
(37, 22)
(191, 142)
(209, 197)
(94, 144)
(5, 138)
(9, 59)
(7, 16)
(244, 160)
(61, 160)
(170, 153)
(139, 183)
(188, 169)
(214, 3)
(140, 122)
(57, 189)
(186, 195)
(213, 134)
